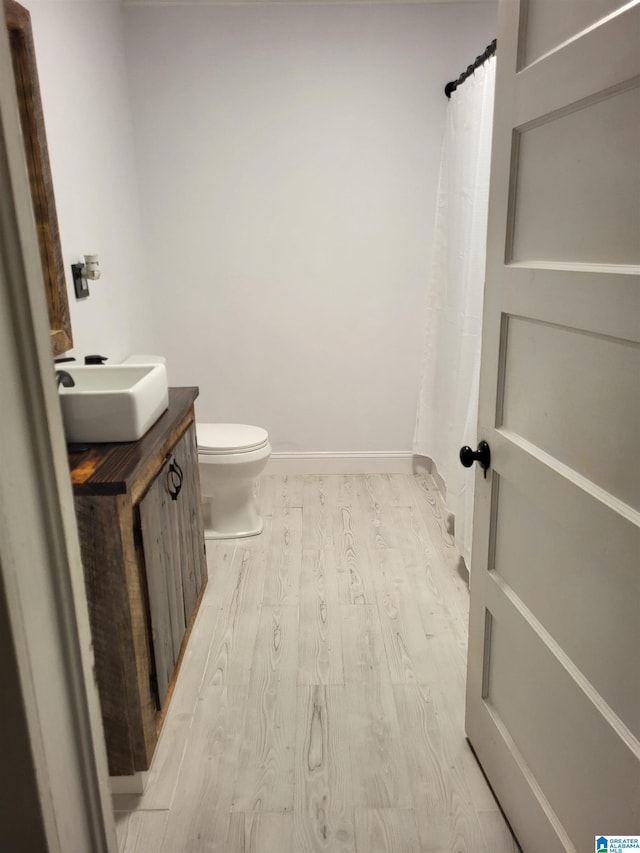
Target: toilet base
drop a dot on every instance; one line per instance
(232, 512)
(227, 480)
(210, 533)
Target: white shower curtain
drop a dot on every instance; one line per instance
(448, 400)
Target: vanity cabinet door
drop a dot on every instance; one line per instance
(190, 527)
(173, 545)
(162, 563)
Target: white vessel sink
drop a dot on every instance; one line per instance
(113, 402)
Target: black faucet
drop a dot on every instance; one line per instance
(64, 378)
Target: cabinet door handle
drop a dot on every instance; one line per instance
(178, 469)
(174, 480)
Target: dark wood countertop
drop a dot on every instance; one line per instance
(112, 469)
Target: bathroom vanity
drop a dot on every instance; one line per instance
(142, 542)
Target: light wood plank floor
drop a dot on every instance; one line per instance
(320, 704)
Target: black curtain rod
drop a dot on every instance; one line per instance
(480, 60)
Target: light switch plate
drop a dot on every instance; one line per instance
(80, 283)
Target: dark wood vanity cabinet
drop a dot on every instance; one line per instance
(142, 543)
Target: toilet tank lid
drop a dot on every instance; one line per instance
(230, 437)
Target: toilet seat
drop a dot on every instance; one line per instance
(225, 439)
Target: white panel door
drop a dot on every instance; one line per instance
(553, 682)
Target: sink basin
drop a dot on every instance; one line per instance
(113, 402)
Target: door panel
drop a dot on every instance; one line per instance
(602, 637)
(553, 687)
(547, 23)
(601, 60)
(556, 377)
(577, 164)
(566, 742)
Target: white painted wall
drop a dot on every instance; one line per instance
(83, 81)
(288, 159)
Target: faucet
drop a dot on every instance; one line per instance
(64, 378)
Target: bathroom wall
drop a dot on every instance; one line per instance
(288, 158)
(83, 81)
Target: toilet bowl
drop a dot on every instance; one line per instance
(230, 457)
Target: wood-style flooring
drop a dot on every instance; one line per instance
(320, 703)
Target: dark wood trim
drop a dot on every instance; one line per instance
(25, 71)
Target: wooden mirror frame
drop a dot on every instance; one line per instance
(25, 71)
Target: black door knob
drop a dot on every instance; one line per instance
(482, 456)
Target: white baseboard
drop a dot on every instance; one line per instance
(134, 784)
(357, 462)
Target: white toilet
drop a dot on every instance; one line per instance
(231, 456)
